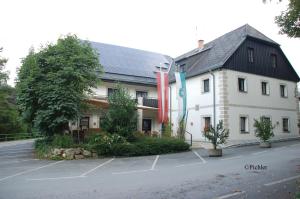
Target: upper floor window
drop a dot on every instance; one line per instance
(285, 124)
(206, 85)
(111, 91)
(143, 94)
(274, 60)
(250, 55)
(265, 88)
(242, 84)
(283, 90)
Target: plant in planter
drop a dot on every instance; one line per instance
(264, 131)
(216, 135)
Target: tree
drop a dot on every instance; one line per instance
(53, 84)
(3, 74)
(289, 20)
(217, 135)
(121, 117)
(263, 129)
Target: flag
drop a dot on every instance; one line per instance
(181, 94)
(163, 96)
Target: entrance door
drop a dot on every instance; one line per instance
(146, 126)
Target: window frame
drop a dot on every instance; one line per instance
(288, 124)
(250, 55)
(203, 83)
(203, 125)
(247, 126)
(274, 61)
(285, 91)
(267, 88)
(244, 85)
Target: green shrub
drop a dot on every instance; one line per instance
(62, 141)
(167, 130)
(42, 146)
(144, 146)
(263, 129)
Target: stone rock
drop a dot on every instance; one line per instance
(79, 157)
(70, 154)
(86, 153)
(94, 155)
(56, 152)
(77, 151)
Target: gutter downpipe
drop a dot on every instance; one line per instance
(214, 96)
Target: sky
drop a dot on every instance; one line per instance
(170, 27)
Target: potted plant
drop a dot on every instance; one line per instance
(264, 131)
(216, 135)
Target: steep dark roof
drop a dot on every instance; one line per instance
(215, 53)
(129, 65)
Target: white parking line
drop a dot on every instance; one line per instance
(154, 163)
(260, 152)
(30, 170)
(132, 171)
(230, 195)
(199, 156)
(89, 171)
(235, 157)
(189, 164)
(282, 180)
(58, 178)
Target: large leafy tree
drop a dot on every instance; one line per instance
(121, 117)
(289, 20)
(53, 84)
(3, 74)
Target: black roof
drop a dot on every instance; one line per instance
(215, 53)
(129, 65)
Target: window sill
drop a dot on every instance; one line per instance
(267, 95)
(244, 132)
(285, 131)
(285, 97)
(244, 92)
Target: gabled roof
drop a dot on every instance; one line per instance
(129, 65)
(215, 53)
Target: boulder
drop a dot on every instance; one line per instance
(86, 153)
(57, 152)
(77, 151)
(79, 157)
(69, 154)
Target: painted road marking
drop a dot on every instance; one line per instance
(30, 170)
(231, 195)
(282, 180)
(189, 164)
(260, 152)
(199, 156)
(235, 157)
(90, 171)
(154, 163)
(58, 178)
(132, 171)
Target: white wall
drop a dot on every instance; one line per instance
(252, 104)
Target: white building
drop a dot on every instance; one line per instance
(253, 79)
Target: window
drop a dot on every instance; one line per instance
(182, 68)
(266, 118)
(283, 91)
(84, 122)
(206, 85)
(206, 123)
(242, 85)
(265, 88)
(143, 94)
(285, 124)
(244, 124)
(274, 60)
(250, 55)
(110, 91)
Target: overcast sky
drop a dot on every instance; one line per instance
(164, 26)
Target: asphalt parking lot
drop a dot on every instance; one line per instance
(182, 175)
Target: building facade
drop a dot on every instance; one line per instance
(250, 78)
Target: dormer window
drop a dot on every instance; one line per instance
(250, 55)
(274, 60)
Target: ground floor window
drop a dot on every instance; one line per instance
(244, 127)
(84, 122)
(285, 124)
(146, 127)
(207, 123)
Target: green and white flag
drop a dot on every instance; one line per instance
(181, 94)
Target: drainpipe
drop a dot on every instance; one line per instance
(214, 96)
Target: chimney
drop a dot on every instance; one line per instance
(200, 43)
